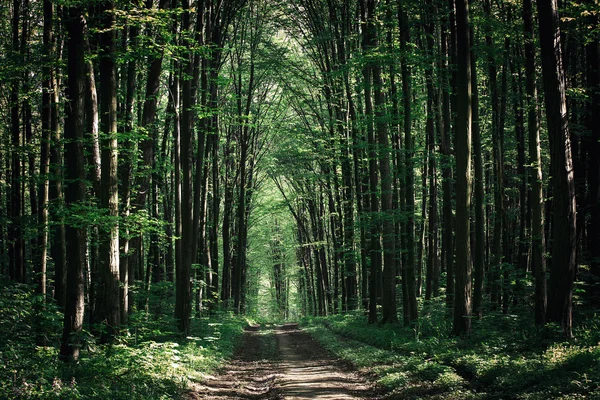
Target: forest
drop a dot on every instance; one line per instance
(409, 189)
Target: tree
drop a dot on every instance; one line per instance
(109, 303)
(564, 234)
(75, 190)
(462, 300)
(538, 242)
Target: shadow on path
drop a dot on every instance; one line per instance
(286, 363)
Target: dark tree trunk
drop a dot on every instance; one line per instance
(408, 268)
(480, 243)
(523, 248)
(46, 117)
(498, 156)
(432, 257)
(58, 249)
(108, 302)
(92, 150)
(128, 157)
(538, 242)
(148, 127)
(75, 188)
(28, 143)
(227, 212)
(368, 43)
(214, 227)
(564, 233)
(389, 313)
(462, 300)
(448, 44)
(183, 293)
(593, 144)
(17, 242)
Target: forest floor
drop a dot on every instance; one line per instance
(283, 363)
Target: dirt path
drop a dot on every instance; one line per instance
(310, 373)
(282, 364)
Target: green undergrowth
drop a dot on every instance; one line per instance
(504, 358)
(150, 361)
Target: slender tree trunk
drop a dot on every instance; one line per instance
(462, 301)
(183, 294)
(592, 51)
(75, 189)
(146, 147)
(28, 144)
(479, 256)
(498, 156)
(46, 117)
(447, 175)
(374, 231)
(227, 211)
(128, 157)
(58, 249)
(214, 228)
(408, 268)
(177, 170)
(523, 248)
(430, 168)
(17, 243)
(108, 306)
(564, 233)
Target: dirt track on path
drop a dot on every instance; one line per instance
(282, 364)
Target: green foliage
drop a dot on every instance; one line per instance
(504, 357)
(150, 361)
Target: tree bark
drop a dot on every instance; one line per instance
(408, 268)
(479, 256)
(448, 44)
(374, 231)
(17, 242)
(564, 233)
(108, 307)
(183, 293)
(593, 124)
(75, 188)
(462, 300)
(46, 117)
(538, 242)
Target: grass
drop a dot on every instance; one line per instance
(505, 357)
(151, 362)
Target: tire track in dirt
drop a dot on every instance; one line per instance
(251, 374)
(286, 363)
(309, 372)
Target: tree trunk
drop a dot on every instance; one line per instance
(46, 117)
(408, 268)
(448, 44)
(479, 256)
(17, 242)
(523, 248)
(368, 43)
(183, 293)
(593, 145)
(58, 249)
(128, 157)
(462, 300)
(108, 307)
(75, 189)
(564, 233)
(538, 242)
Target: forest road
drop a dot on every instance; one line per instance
(285, 363)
